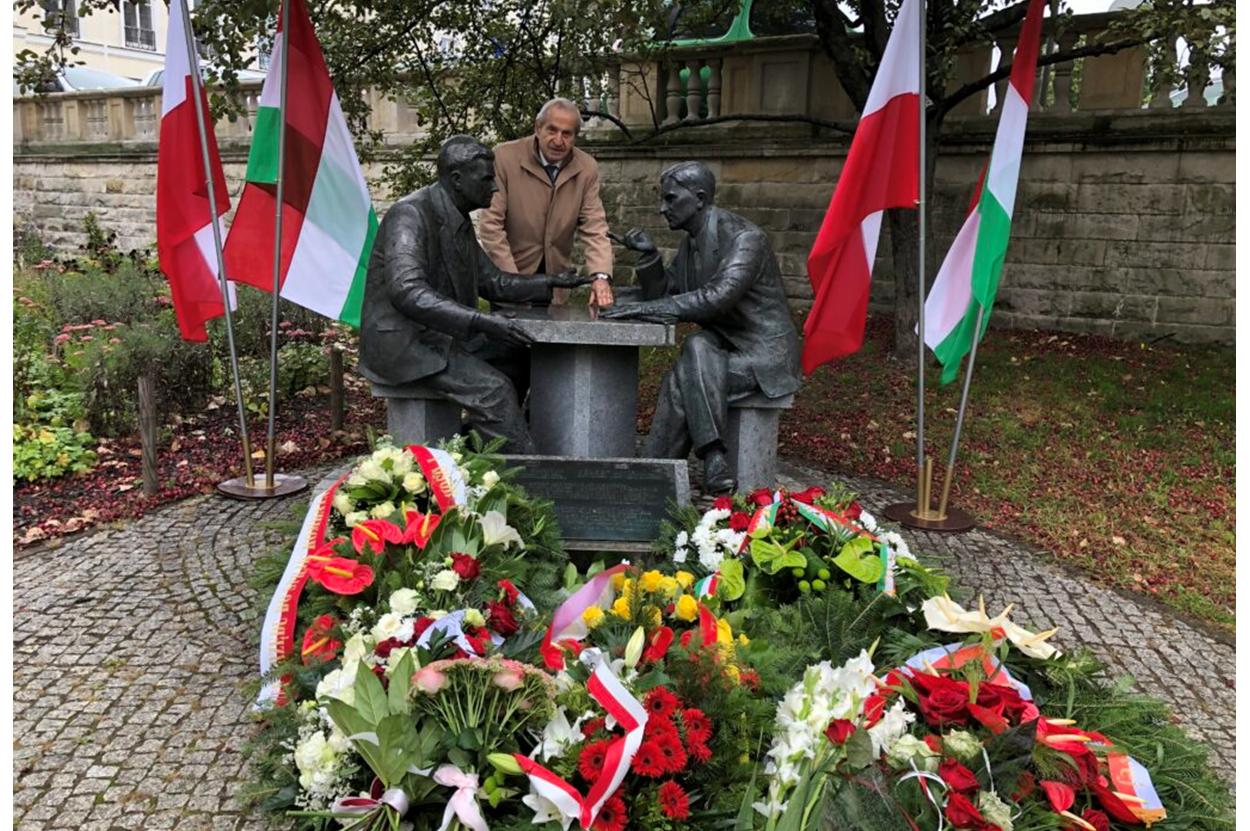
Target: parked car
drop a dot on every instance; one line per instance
(155, 78)
(78, 78)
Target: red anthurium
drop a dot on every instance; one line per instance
(874, 709)
(658, 646)
(344, 576)
(1113, 805)
(317, 641)
(1059, 795)
(418, 527)
(375, 534)
(322, 555)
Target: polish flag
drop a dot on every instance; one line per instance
(184, 223)
(881, 171)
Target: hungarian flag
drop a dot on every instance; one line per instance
(184, 223)
(328, 222)
(969, 277)
(882, 171)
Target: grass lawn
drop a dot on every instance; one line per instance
(1116, 457)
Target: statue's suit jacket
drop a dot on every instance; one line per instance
(726, 279)
(425, 275)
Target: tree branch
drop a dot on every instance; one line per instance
(629, 135)
(1093, 50)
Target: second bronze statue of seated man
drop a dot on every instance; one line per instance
(726, 279)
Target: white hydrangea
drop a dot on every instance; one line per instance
(897, 543)
(712, 546)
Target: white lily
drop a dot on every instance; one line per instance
(495, 529)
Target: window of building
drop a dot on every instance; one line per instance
(137, 19)
(60, 15)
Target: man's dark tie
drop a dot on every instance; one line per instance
(553, 170)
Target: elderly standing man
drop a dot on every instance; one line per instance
(548, 192)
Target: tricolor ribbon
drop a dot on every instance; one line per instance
(1130, 778)
(463, 803)
(707, 586)
(605, 688)
(567, 622)
(955, 655)
(827, 521)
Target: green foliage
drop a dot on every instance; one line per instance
(48, 452)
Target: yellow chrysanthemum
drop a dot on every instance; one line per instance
(621, 608)
(685, 579)
(652, 581)
(687, 608)
(593, 616)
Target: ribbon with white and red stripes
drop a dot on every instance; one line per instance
(567, 622)
(607, 689)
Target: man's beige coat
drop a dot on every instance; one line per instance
(530, 222)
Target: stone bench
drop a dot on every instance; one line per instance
(752, 440)
(416, 415)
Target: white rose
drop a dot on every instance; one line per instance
(355, 518)
(383, 511)
(474, 618)
(343, 503)
(404, 601)
(386, 627)
(446, 580)
(311, 755)
(414, 483)
(401, 463)
(490, 478)
(355, 651)
(340, 684)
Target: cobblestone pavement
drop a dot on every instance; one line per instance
(131, 647)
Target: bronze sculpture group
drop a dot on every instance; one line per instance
(421, 319)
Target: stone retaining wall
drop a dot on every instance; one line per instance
(1124, 224)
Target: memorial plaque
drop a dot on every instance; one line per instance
(606, 504)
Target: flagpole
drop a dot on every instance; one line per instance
(277, 244)
(923, 477)
(963, 406)
(196, 88)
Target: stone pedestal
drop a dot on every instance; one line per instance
(415, 415)
(752, 440)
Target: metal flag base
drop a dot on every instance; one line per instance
(283, 485)
(953, 520)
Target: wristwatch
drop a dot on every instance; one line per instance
(603, 275)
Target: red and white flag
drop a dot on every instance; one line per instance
(881, 171)
(184, 223)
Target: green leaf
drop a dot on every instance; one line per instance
(732, 582)
(859, 749)
(401, 679)
(398, 747)
(859, 559)
(771, 557)
(370, 698)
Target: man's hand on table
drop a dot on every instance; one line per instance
(600, 293)
(652, 311)
(502, 329)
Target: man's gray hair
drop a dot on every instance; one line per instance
(559, 104)
(459, 151)
(694, 177)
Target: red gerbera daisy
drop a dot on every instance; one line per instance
(592, 727)
(661, 702)
(612, 816)
(699, 751)
(698, 725)
(658, 725)
(590, 763)
(673, 801)
(650, 760)
(674, 755)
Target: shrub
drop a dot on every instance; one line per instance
(41, 452)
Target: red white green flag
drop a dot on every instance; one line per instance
(882, 171)
(328, 221)
(184, 221)
(968, 279)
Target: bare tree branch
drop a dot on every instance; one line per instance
(629, 135)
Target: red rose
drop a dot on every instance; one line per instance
(1001, 698)
(1097, 818)
(958, 776)
(961, 813)
(808, 497)
(853, 511)
(479, 640)
(510, 592)
(418, 628)
(934, 742)
(384, 649)
(466, 566)
(761, 497)
(738, 521)
(942, 701)
(839, 730)
(723, 503)
(500, 619)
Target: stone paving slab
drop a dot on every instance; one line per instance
(131, 647)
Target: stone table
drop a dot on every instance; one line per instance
(584, 379)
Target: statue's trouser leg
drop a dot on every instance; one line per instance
(693, 409)
(487, 394)
(513, 361)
